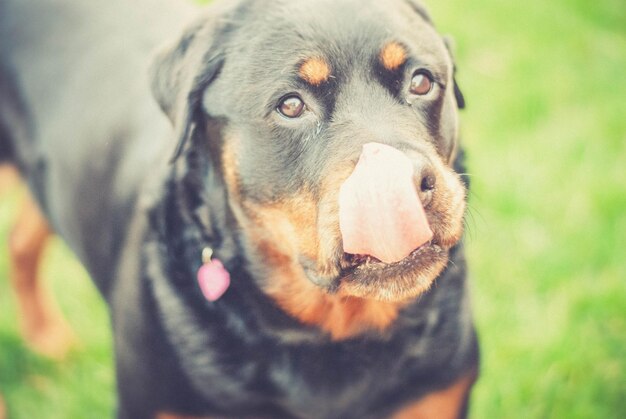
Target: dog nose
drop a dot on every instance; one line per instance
(426, 181)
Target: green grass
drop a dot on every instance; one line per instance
(80, 386)
(545, 129)
(546, 134)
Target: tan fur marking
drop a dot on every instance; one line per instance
(330, 248)
(230, 166)
(444, 404)
(341, 317)
(315, 71)
(448, 209)
(293, 227)
(393, 56)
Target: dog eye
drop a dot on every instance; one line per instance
(421, 83)
(291, 107)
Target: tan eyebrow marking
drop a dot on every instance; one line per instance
(315, 71)
(393, 55)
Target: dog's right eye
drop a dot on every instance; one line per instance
(291, 107)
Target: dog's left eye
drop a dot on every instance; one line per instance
(421, 83)
(291, 107)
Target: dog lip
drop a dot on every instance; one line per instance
(369, 264)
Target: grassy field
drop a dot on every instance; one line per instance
(545, 129)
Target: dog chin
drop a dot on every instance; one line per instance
(367, 277)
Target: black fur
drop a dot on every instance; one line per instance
(11, 117)
(94, 145)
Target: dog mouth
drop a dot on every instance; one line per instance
(365, 276)
(369, 264)
(370, 269)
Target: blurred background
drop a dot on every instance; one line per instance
(545, 131)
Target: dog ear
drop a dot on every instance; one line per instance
(458, 95)
(181, 72)
(421, 10)
(460, 100)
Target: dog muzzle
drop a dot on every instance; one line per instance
(380, 212)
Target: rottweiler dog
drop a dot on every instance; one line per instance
(271, 203)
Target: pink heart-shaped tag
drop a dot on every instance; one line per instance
(214, 280)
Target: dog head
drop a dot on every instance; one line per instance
(303, 107)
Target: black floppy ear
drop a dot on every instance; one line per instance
(181, 72)
(458, 95)
(460, 100)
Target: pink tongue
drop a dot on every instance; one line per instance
(380, 213)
